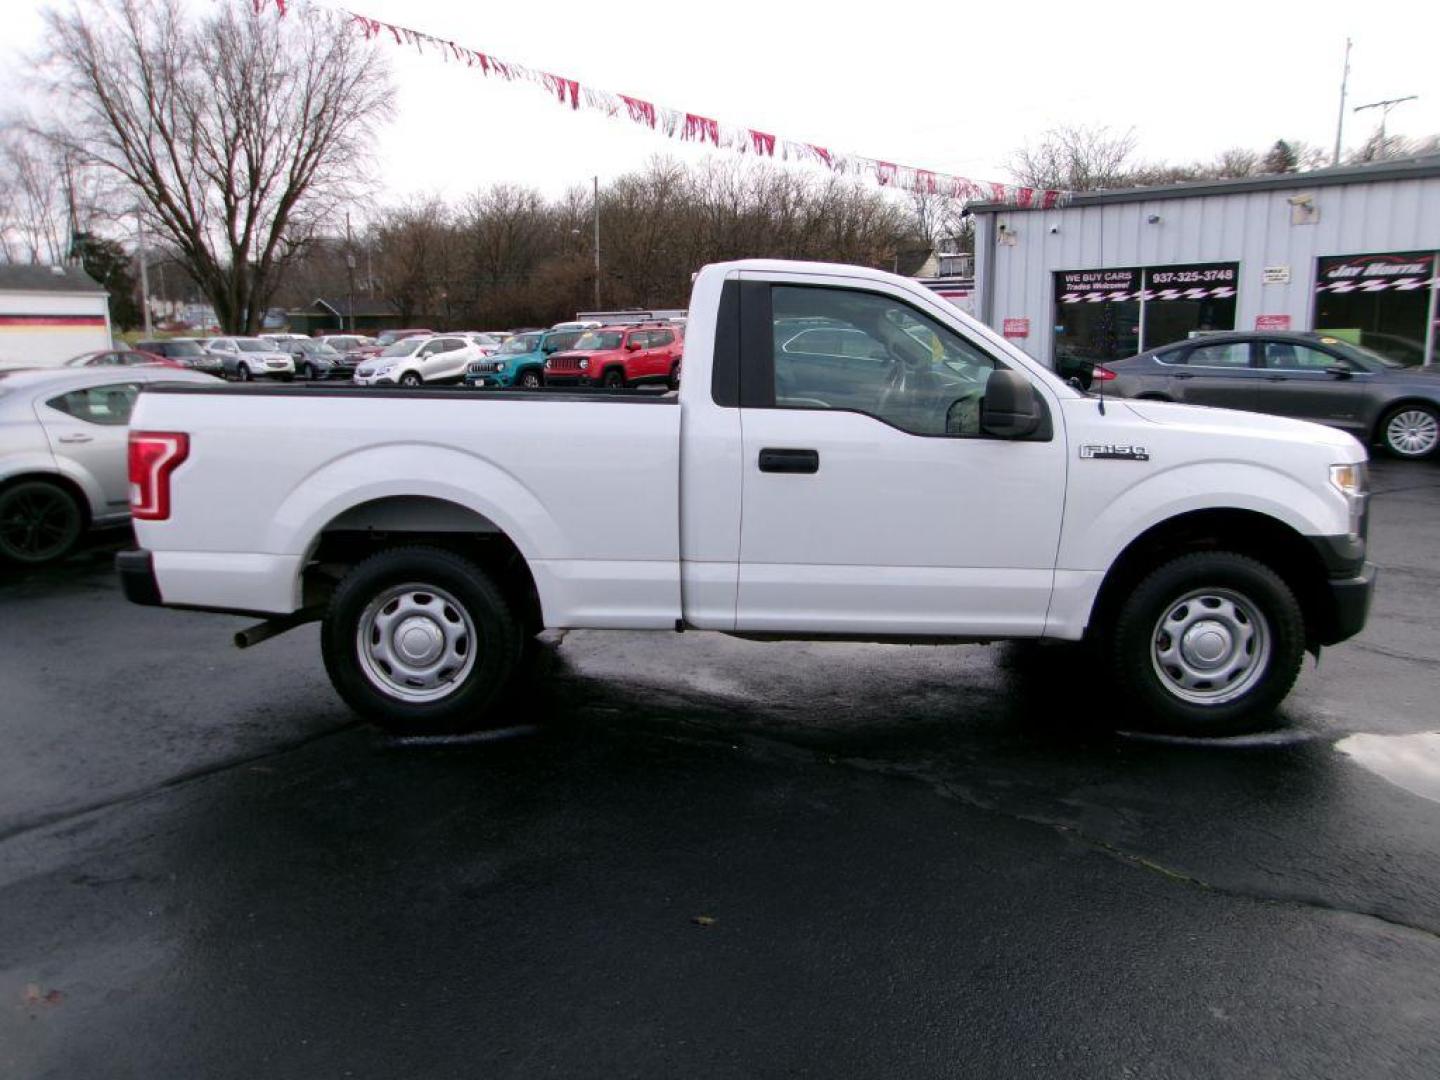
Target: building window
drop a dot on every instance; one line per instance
(1380, 301)
(1109, 314)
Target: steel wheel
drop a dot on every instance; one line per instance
(416, 643)
(39, 522)
(1210, 646)
(1412, 432)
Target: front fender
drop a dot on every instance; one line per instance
(413, 469)
(1096, 531)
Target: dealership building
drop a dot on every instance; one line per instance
(1352, 252)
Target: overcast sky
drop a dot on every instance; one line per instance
(952, 87)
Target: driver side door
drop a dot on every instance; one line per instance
(871, 502)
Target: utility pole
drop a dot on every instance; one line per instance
(350, 272)
(1344, 86)
(1385, 107)
(144, 271)
(597, 242)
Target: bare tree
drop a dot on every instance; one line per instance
(240, 132)
(1075, 158)
(34, 222)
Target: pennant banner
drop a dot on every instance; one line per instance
(692, 127)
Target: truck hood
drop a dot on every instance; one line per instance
(1203, 420)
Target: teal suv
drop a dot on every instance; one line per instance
(521, 359)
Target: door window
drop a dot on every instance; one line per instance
(869, 353)
(108, 405)
(640, 338)
(1288, 356)
(1221, 354)
(661, 337)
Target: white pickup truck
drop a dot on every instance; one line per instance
(848, 457)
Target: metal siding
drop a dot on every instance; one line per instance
(1249, 227)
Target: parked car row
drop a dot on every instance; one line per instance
(1307, 376)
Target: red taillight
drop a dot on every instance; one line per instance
(1101, 374)
(154, 455)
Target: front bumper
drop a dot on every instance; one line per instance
(489, 379)
(374, 380)
(1350, 605)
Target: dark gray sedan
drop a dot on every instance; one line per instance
(1307, 376)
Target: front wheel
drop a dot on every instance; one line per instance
(309, 373)
(421, 641)
(1411, 431)
(410, 379)
(243, 373)
(614, 379)
(1207, 644)
(530, 380)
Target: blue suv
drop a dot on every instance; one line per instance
(521, 359)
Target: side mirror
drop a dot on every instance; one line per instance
(1340, 371)
(1010, 408)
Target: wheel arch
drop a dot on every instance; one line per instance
(1247, 532)
(72, 485)
(395, 521)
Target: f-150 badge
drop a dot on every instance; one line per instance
(1111, 452)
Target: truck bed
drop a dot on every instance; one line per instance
(584, 483)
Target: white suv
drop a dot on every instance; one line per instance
(418, 360)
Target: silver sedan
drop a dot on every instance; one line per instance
(63, 453)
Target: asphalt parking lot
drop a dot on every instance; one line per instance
(703, 857)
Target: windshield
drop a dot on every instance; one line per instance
(402, 348)
(596, 340)
(522, 344)
(252, 345)
(1378, 357)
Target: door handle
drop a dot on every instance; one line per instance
(790, 461)
(77, 437)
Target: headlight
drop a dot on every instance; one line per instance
(1350, 479)
(584, 364)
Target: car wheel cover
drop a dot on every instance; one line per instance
(37, 522)
(1412, 432)
(416, 643)
(1210, 646)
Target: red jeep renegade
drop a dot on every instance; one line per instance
(619, 356)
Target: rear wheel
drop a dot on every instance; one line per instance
(614, 379)
(421, 641)
(1207, 644)
(1411, 431)
(674, 380)
(39, 522)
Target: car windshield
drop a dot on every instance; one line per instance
(180, 348)
(564, 340)
(389, 337)
(596, 340)
(1377, 357)
(522, 344)
(254, 345)
(402, 348)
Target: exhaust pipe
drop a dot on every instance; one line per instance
(264, 631)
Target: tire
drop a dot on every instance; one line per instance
(673, 382)
(613, 379)
(410, 378)
(1226, 604)
(308, 373)
(454, 611)
(242, 372)
(40, 522)
(530, 379)
(1411, 431)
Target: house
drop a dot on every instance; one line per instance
(335, 316)
(49, 314)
